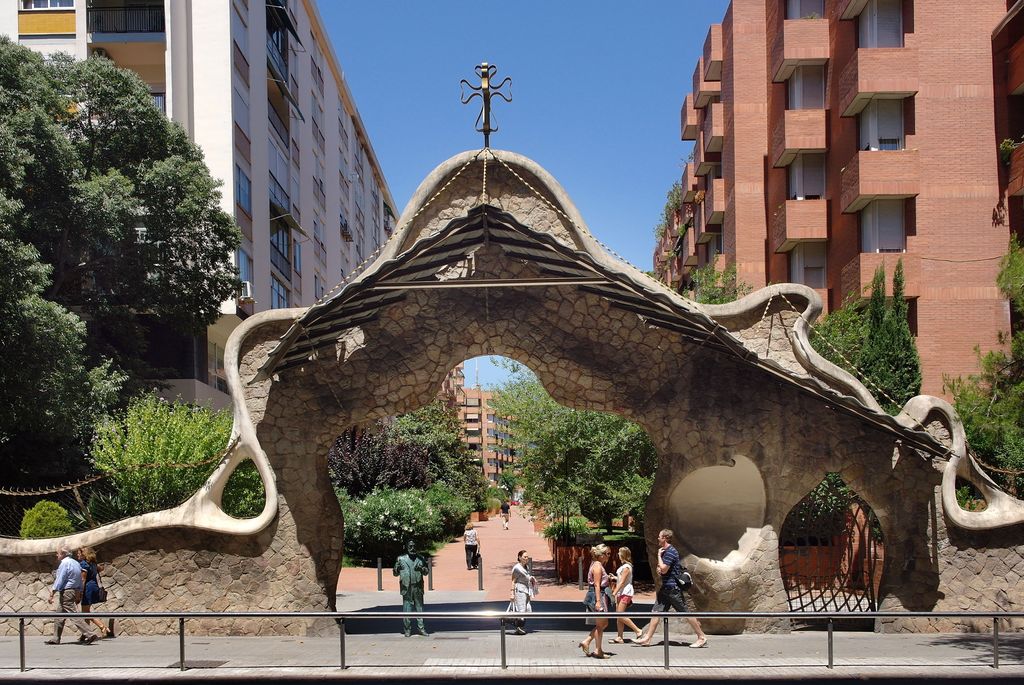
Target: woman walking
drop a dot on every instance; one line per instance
(598, 599)
(472, 543)
(523, 586)
(623, 593)
(91, 592)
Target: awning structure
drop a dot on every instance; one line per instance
(427, 264)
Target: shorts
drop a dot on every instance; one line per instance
(672, 597)
(624, 600)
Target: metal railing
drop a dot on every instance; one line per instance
(126, 19)
(504, 617)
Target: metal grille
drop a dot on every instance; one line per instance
(831, 553)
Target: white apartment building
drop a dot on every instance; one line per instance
(258, 87)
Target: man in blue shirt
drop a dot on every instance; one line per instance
(670, 594)
(68, 585)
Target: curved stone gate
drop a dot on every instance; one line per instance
(492, 258)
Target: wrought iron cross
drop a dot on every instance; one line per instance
(484, 91)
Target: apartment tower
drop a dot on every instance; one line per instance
(834, 136)
(257, 86)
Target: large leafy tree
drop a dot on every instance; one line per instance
(116, 200)
(570, 461)
(991, 402)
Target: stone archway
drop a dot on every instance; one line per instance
(729, 393)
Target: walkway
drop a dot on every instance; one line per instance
(499, 549)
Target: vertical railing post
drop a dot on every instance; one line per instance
(21, 642)
(380, 575)
(181, 642)
(831, 655)
(504, 662)
(995, 642)
(480, 574)
(666, 642)
(430, 574)
(341, 642)
(579, 570)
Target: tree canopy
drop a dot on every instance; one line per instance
(107, 215)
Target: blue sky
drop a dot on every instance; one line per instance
(596, 86)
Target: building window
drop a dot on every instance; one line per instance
(47, 4)
(807, 177)
(279, 253)
(318, 287)
(881, 24)
(805, 9)
(278, 294)
(216, 375)
(806, 87)
(244, 266)
(881, 125)
(297, 258)
(881, 227)
(243, 190)
(807, 265)
(472, 402)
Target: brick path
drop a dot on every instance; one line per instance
(498, 548)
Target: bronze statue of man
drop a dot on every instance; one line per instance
(410, 569)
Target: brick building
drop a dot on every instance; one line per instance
(483, 431)
(832, 136)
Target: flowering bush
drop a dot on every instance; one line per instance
(453, 510)
(381, 523)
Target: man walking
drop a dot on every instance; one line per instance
(69, 585)
(410, 569)
(670, 569)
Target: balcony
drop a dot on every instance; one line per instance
(799, 130)
(281, 262)
(851, 9)
(879, 174)
(802, 42)
(279, 200)
(704, 92)
(713, 53)
(858, 272)
(797, 221)
(1015, 70)
(147, 21)
(713, 127)
(277, 60)
(877, 73)
(1016, 183)
(689, 183)
(278, 125)
(688, 120)
(714, 202)
(704, 162)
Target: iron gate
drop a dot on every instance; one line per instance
(831, 552)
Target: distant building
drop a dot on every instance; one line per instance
(484, 432)
(257, 86)
(834, 136)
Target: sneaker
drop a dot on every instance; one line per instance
(92, 638)
(699, 643)
(520, 631)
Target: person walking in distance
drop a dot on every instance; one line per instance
(472, 542)
(505, 509)
(670, 594)
(67, 587)
(93, 585)
(523, 588)
(410, 569)
(623, 594)
(598, 599)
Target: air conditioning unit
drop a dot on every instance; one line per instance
(99, 52)
(245, 293)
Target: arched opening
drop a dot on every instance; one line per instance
(832, 551)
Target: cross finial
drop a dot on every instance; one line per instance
(484, 91)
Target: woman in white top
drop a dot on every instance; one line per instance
(523, 588)
(472, 546)
(624, 594)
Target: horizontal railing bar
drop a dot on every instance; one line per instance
(494, 613)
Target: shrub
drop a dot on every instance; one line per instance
(453, 510)
(46, 520)
(244, 494)
(155, 455)
(564, 530)
(380, 524)
(380, 459)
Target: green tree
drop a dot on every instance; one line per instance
(116, 201)
(839, 336)
(991, 402)
(711, 286)
(569, 461)
(888, 359)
